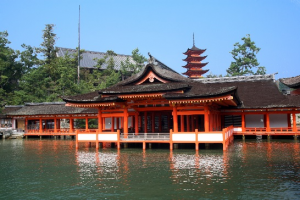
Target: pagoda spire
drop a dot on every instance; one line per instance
(194, 62)
(193, 40)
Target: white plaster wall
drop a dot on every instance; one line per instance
(107, 137)
(91, 137)
(253, 121)
(184, 137)
(278, 120)
(216, 137)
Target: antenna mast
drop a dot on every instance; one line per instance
(78, 70)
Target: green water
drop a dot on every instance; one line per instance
(54, 169)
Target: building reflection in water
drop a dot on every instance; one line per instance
(198, 169)
(246, 165)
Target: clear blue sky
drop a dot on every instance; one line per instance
(164, 28)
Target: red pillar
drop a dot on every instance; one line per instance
(55, 126)
(206, 119)
(268, 122)
(71, 125)
(103, 122)
(112, 124)
(125, 121)
(100, 127)
(175, 119)
(87, 124)
(243, 123)
(136, 122)
(41, 125)
(294, 122)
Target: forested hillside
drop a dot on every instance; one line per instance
(36, 74)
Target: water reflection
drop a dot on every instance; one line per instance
(54, 168)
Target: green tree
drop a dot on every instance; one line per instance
(245, 61)
(11, 70)
(47, 79)
(128, 67)
(211, 75)
(48, 48)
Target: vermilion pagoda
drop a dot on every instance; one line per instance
(194, 62)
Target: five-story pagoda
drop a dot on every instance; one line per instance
(194, 62)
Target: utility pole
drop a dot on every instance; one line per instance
(78, 70)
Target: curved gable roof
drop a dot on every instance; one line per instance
(292, 82)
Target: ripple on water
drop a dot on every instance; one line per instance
(40, 169)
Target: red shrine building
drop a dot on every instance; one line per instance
(158, 105)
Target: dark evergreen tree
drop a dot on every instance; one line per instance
(245, 61)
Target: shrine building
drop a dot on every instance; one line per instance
(158, 105)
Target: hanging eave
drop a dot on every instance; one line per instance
(195, 72)
(194, 51)
(190, 65)
(227, 100)
(197, 58)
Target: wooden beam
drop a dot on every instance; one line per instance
(190, 113)
(152, 109)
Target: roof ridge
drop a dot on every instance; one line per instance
(88, 51)
(44, 103)
(237, 78)
(13, 106)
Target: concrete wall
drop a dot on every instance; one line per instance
(278, 120)
(253, 121)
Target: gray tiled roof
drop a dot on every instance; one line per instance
(89, 58)
(292, 82)
(50, 108)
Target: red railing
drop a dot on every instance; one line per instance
(282, 129)
(227, 136)
(255, 129)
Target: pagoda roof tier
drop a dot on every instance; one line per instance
(194, 58)
(190, 73)
(194, 50)
(195, 65)
(292, 82)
